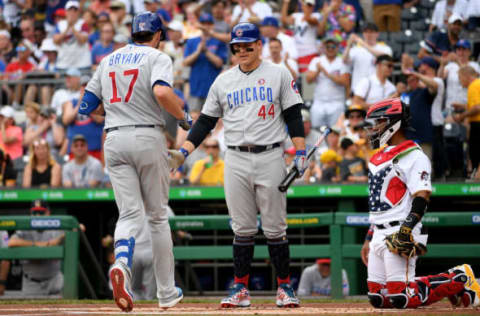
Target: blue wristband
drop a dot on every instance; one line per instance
(301, 152)
(184, 152)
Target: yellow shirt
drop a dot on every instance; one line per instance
(211, 176)
(473, 98)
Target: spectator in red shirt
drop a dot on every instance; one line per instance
(17, 69)
(11, 136)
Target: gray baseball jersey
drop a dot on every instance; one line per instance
(136, 156)
(124, 81)
(251, 104)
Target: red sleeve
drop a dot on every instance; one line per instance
(369, 235)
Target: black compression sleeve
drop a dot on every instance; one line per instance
(201, 128)
(419, 206)
(293, 119)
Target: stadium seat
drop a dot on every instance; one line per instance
(405, 25)
(405, 37)
(420, 25)
(412, 48)
(428, 4)
(397, 49)
(411, 14)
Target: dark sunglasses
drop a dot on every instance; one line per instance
(211, 146)
(331, 46)
(389, 65)
(37, 213)
(355, 116)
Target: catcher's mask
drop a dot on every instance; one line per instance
(384, 119)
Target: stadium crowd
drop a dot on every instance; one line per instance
(344, 55)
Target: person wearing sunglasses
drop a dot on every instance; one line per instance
(44, 276)
(331, 77)
(208, 171)
(377, 86)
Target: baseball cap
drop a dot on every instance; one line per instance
(429, 61)
(150, 1)
(175, 25)
(369, 26)
(72, 4)
(463, 43)
(353, 108)
(5, 33)
(454, 18)
(335, 130)
(7, 111)
(73, 72)
(48, 45)
(324, 261)
(60, 12)
(117, 4)
(330, 39)
(127, 19)
(79, 137)
(39, 206)
(270, 21)
(329, 155)
(305, 115)
(206, 18)
(345, 143)
(311, 2)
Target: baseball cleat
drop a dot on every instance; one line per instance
(286, 296)
(471, 295)
(120, 277)
(173, 302)
(238, 297)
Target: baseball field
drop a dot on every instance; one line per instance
(210, 306)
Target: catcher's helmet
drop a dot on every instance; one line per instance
(147, 22)
(384, 119)
(244, 33)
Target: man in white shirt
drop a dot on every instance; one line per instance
(71, 91)
(275, 47)
(331, 77)
(270, 28)
(444, 8)
(72, 39)
(361, 54)
(305, 27)
(250, 11)
(375, 87)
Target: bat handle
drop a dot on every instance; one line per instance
(283, 187)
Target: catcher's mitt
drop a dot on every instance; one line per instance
(404, 248)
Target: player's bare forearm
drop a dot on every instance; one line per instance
(189, 146)
(298, 143)
(167, 98)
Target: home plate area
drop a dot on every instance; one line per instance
(334, 308)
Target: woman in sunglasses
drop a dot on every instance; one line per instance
(42, 170)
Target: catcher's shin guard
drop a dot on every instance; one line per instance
(402, 296)
(443, 285)
(375, 296)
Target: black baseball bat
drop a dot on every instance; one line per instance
(294, 173)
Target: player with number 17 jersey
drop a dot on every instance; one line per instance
(133, 69)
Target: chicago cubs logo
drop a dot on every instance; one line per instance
(293, 84)
(239, 32)
(141, 26)
(261, 81)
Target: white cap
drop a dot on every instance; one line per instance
(7, 111)
(176, 25)
(72, 4)
(454, 18)
(5, 33)
(120, 38)
(48, 45)
(311, 2)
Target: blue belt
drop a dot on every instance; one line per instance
(254, 149)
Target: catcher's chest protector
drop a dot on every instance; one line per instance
(386, 181)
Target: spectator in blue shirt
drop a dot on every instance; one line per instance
(206, 56)
(105, 46)
(439, 44)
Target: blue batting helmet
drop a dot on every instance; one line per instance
(147, 22)
(245, 33)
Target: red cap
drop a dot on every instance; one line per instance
(324, 261)
(60, 12)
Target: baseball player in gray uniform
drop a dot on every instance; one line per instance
(257, 101)
(133, 83)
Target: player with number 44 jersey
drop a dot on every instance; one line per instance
(257, 100)
(135, 85)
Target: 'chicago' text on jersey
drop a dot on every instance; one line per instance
(249, 94)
